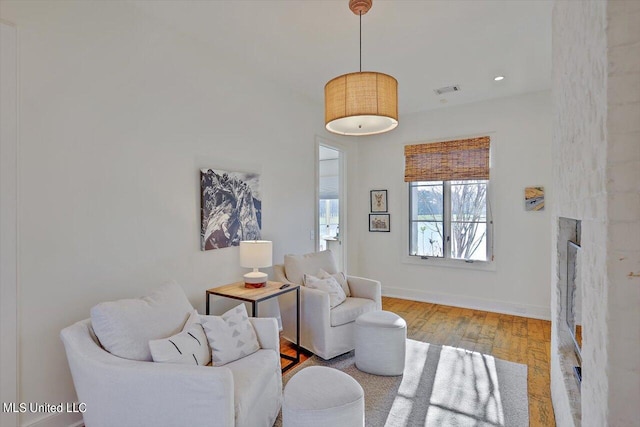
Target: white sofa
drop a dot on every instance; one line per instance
(122, 392)
(326, 332)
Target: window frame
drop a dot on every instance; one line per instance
(446, 260)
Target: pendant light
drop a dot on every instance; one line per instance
(362, 103)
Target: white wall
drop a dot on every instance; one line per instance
(8, 218)
(117, 116)
(520, 130)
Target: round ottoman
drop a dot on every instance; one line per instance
(380, 343)
(318, 396)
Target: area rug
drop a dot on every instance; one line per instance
(441, 386)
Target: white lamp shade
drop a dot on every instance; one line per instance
(256, 253)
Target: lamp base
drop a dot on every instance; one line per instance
(255, 285)
(255, 279)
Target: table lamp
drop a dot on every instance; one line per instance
(255, 254)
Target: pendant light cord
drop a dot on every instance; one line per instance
(360, 41)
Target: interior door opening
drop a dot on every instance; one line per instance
(330, 202)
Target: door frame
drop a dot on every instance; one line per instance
(9, 384)
(342, 194)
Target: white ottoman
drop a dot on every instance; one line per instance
(380, 343)
(322, 397)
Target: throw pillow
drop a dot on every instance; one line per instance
(328, 285)
(231, 336)
(125, 327)
(296, 266)
(341, 278)
(189, 347)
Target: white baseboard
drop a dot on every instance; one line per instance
(523, 310)
(64, 419)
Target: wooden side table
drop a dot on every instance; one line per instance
(257, 295)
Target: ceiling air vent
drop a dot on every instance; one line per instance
(447, 89)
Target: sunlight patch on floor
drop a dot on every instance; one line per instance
(465, 386)
(400, 412)
(415, 361)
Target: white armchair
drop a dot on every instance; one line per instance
(326, 332)
(123, 392)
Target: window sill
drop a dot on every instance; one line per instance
(450, 263)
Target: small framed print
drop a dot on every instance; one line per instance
(379, 201)
(380, 222)
(534, 198)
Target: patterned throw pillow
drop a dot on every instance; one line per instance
(340, 278)
(231, 336)
(189, 347)
(329, 285)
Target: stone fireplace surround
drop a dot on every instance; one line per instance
(596, 171)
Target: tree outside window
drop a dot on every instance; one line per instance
(449, 219)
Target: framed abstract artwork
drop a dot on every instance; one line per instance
(534, 198)
(231, 208)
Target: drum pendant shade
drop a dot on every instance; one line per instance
(362, 103)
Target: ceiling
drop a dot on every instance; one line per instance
(424, 44)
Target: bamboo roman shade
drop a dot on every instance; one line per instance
(462, 159)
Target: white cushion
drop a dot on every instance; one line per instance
(381, 319)
(125, 327)
(328, 285)
(189, 347)
(255, 377)
(340, 277)
(296, 266)
(350, 310)
(381, 343)
(231, 336)
(319, 396)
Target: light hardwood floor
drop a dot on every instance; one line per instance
(513, 338)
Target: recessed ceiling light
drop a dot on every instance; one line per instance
(498, 78)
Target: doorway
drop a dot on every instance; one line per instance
(331, 201)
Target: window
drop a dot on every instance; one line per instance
(449, 219)
(448, 203)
